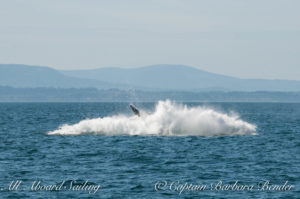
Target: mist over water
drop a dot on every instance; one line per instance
(168, 119)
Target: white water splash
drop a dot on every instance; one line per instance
(168, 119)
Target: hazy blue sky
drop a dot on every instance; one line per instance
(243, 38)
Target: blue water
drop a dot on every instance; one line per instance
(146, 166)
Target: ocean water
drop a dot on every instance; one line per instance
(195, 150)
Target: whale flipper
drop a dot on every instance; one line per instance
(135, 110)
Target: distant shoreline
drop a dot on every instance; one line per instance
(11, 94)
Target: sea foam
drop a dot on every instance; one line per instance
(168, 119)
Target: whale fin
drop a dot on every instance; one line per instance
(135, 110)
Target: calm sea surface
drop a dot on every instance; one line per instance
(147, 166)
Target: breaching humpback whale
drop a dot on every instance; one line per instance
(135, 110)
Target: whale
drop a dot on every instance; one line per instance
(135, 110)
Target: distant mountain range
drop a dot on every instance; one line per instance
(24, 76)
(154, 78)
